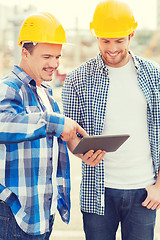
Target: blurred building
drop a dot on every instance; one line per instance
(153, 49)
(145, 42)
(10, 21)
(158, 14)
(5, 44)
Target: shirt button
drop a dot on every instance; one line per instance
(50, 159)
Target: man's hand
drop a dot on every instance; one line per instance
(93, 158)
(70, 129)
(153, 198)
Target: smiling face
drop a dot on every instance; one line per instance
(42, 62)
(114, 51)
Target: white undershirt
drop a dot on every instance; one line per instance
(46, 103)
(130, 167)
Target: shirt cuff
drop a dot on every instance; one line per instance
(55, 124)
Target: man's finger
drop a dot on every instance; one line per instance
(87, 155)
(155, 206)
(146, 202)
(81, 130)
(99, 158)
(92, 158)
(158, 207)
(150, 205)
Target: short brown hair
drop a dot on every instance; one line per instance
(29, 47)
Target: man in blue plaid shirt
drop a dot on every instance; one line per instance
(117, 93)
(34, 163)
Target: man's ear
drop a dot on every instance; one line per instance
(132, 34)
(25, 53)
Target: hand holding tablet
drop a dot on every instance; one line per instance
(108, 143)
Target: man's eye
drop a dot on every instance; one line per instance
(119, 41)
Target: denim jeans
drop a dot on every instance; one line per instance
(9, 229)
(121, 206)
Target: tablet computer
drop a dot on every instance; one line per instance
(108, 143)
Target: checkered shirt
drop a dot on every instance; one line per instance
(84, 97)
(27, 133)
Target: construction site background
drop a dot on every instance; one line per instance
(146, 43)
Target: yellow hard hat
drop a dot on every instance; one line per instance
(42, 28)
(112, 19)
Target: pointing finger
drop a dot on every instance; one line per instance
(81, 130)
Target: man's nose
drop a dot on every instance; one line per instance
(112, 47)
(54, 63)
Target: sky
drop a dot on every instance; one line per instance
(72, 12)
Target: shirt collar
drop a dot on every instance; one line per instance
(102, 65)
(23, 76)
(136, 63)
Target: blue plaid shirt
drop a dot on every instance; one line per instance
(84, 97)
(27, 133)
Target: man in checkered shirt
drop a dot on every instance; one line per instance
(117, 93)
(34, 163)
